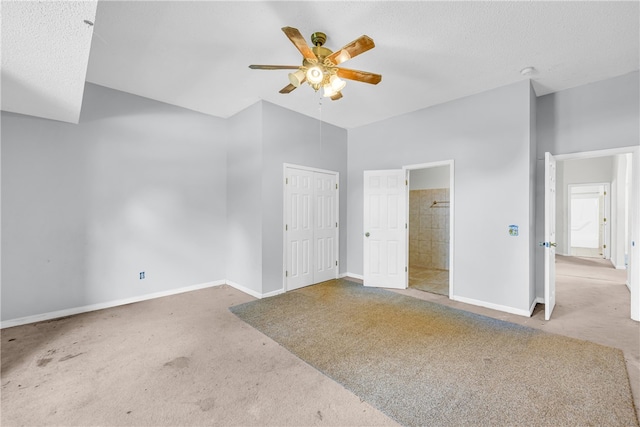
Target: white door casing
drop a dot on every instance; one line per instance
(385, 229)
(633, 273)
(311, 226)
(549, 235)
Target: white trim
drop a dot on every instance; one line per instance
(100, 306)
(451, 164)
(353, 275)
(492, 306)
(253, 293)
(272, 293)
(246, 290)
(596, 153)
(533, 306)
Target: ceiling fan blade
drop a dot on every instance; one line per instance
(356, 47)
(274, 67)
(288, 88)
(298, 41)
(336, 96)
(361, 76)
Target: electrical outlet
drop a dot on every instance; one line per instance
(141, 275)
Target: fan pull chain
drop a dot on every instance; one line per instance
(320, 119)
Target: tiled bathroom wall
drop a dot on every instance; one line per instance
(429, 228)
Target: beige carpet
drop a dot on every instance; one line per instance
(427, 364)
(183, 360)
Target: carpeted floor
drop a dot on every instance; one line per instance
(426, 364)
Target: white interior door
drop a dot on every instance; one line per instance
(311, 227)
(326, 223)
(299, 228)
(385, 229)
(549, 235)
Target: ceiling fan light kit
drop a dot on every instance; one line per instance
(320, 65)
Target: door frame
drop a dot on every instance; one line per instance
(606, 241)
(429, 165)
(633, 273)
(285, 167)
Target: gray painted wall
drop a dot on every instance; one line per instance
(137, 186)
(297, 139)
(429, 178)
(244, 199)
(533, 196)
(488, 137)
(597, 116)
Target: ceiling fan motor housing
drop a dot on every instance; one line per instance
(318, 38)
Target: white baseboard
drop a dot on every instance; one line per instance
(354, 275)
(620, 267)
(492, 306)
(253, 293)
(533, 306)
(273, 293)
(241, 288)
(100, 306)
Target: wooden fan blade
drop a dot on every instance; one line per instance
(361, 76)
(274, 67)
(298, 41)
(336, 96)
(356, 47)
(288, 88)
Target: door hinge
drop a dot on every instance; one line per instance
(336, 263)
(604, 219)
(336, 225)
(336, 186)
(604, 246)
(286, 227)
(605, 193)
(406, 269)
(406, 226)
(406, 182)
(286, 180)
(286, 274)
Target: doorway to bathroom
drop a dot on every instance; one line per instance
(430, 227)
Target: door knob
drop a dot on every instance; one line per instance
(547, 244)
(367, 234)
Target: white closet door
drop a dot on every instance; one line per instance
(299, 219)
(311, 227)
(326, 224)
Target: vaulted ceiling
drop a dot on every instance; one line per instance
(195, 54)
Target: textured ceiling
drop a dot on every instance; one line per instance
(45, 51)
(195, 54)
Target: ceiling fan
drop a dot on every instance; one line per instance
(320, 65)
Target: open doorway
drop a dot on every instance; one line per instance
(588, 220)
(594, 203)
(429, 228)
